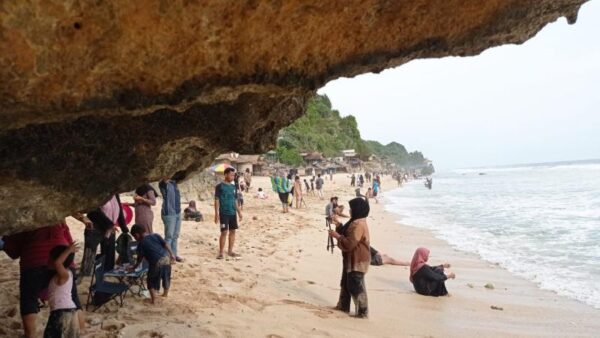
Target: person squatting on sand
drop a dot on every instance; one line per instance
(353, 240)
(428, 280)
(157, 252)
(63, 320)
(227, 212)
(334, 209)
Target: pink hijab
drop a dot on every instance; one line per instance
(419, 259)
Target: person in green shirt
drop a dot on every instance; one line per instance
(227, 212)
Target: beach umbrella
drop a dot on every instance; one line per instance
(127, 212)
(219, 168)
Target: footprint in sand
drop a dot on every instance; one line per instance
(316, 310)
(236, 279)
(152, 334)
(113, 327)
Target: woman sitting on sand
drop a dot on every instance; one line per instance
(428, 280)
(353, 240)
(379, 258)
(191, 213)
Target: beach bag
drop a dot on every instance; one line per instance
(124, 249)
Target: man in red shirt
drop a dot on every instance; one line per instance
(33, 249)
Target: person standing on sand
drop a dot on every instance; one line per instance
(248, 178)
(306, 186)
(297, 191)
(108, 218)
(280, 185)
(375, 190)
(319, 185)
(428, 280)
(354, 241)
(171, 213)
(353, 180)
(145, 199)
(227, 212)
(32, 248)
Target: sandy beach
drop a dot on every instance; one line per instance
(286, 284)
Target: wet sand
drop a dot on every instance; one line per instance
(286, 284)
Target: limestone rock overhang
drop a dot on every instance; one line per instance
(97, 97)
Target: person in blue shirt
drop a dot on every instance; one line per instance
(227, 211)
(171, 213)
(157, 252)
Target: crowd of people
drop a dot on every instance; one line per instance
(46, 255)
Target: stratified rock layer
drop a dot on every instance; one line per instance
(97, 97)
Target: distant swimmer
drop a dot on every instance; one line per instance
(428, 183)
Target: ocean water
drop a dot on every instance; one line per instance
(540, 221)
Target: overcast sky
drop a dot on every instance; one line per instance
(537, 102)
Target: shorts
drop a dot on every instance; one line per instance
(161, 271)
(32, 282)
(376, 259)
(283, 197)
(228, 222)
(62, 323)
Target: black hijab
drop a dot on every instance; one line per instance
(359, 208)
(142, 190)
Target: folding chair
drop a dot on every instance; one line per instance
(137, 277)
(102, 292)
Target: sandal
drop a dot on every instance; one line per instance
(220, 256)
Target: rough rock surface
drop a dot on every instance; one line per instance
(99, 96)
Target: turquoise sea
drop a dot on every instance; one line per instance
(539, 221)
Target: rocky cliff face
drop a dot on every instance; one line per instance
(97, 97)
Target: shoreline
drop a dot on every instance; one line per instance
(286, 284)
(462, 246)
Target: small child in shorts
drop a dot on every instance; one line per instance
(63, 320)
(157, 252)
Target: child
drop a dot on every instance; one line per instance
(63, 320)
(240, 199)
(159, 256)
(261, 194)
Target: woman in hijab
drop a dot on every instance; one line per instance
(428, 280)
(191, 213)
(353, 240)
(145, 199)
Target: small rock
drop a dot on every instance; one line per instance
(470, 285)
(93, 321)
(254, 218)
(11, 312)
(489, 286)
(494, 307)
